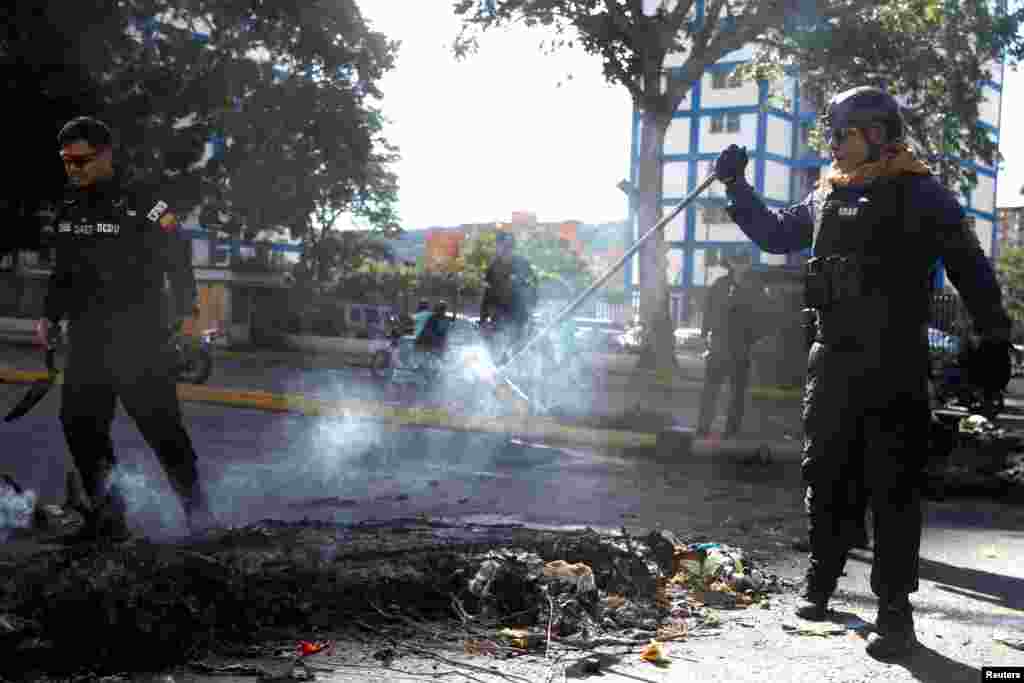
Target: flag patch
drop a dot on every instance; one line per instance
(169, 222)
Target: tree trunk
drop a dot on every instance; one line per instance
(658, 351)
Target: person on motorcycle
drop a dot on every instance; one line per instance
(435, 329)
(420, 317)
(511, 291)
(876, 224)
(115, 244)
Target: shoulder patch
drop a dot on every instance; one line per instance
(158, 210)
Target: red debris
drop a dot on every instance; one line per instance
(312, 647)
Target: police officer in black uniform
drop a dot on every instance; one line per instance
(511, 290)
(876, 224)
(114, 247)
(735, 303)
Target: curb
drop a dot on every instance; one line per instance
(539, 428)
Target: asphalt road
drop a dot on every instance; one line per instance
(261, 465)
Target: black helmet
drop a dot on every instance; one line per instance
(423, 305)
(862, 107)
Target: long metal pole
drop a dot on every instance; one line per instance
(572, 307)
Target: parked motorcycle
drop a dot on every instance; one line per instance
(195, 355)
(951, 388)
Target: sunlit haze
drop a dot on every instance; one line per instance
(495, 133)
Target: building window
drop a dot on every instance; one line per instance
(716, 215)
(720, 80)
(725, 123)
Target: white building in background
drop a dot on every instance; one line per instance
(772, 120)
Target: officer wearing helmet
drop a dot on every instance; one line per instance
(729, 327)
(876, 224)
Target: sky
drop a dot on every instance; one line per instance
(506, 129)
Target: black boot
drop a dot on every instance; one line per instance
(813, 606)
(105, 522)
(894, 635)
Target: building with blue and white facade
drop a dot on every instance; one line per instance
(772, 120)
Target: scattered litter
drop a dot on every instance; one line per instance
(579, 575)
(975, 424)
(820, 630)
(673, 631)
(522, 638)
(16, 505)
(654, 653)
(480, 647)
(614, 602)
(1016, 642)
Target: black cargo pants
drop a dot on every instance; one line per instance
(142, 375)
(865, 418)
(717, 369)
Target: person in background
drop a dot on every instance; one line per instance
(435, 331)
(511, 291)
(734, 305)
(420, 317)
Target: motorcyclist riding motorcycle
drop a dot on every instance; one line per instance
(434, 333)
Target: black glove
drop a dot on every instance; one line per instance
(731, 164)
(990, 366)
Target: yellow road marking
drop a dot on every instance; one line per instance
(539, 428)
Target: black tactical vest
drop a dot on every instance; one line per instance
(868, 278)
(111, 245)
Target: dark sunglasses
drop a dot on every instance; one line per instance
(838, 136)
(79, 162)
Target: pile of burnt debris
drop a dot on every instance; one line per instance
(141, 605)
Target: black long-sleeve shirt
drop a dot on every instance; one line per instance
(733, 311)
(115, 247)
(933, 227)
(511, 288)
